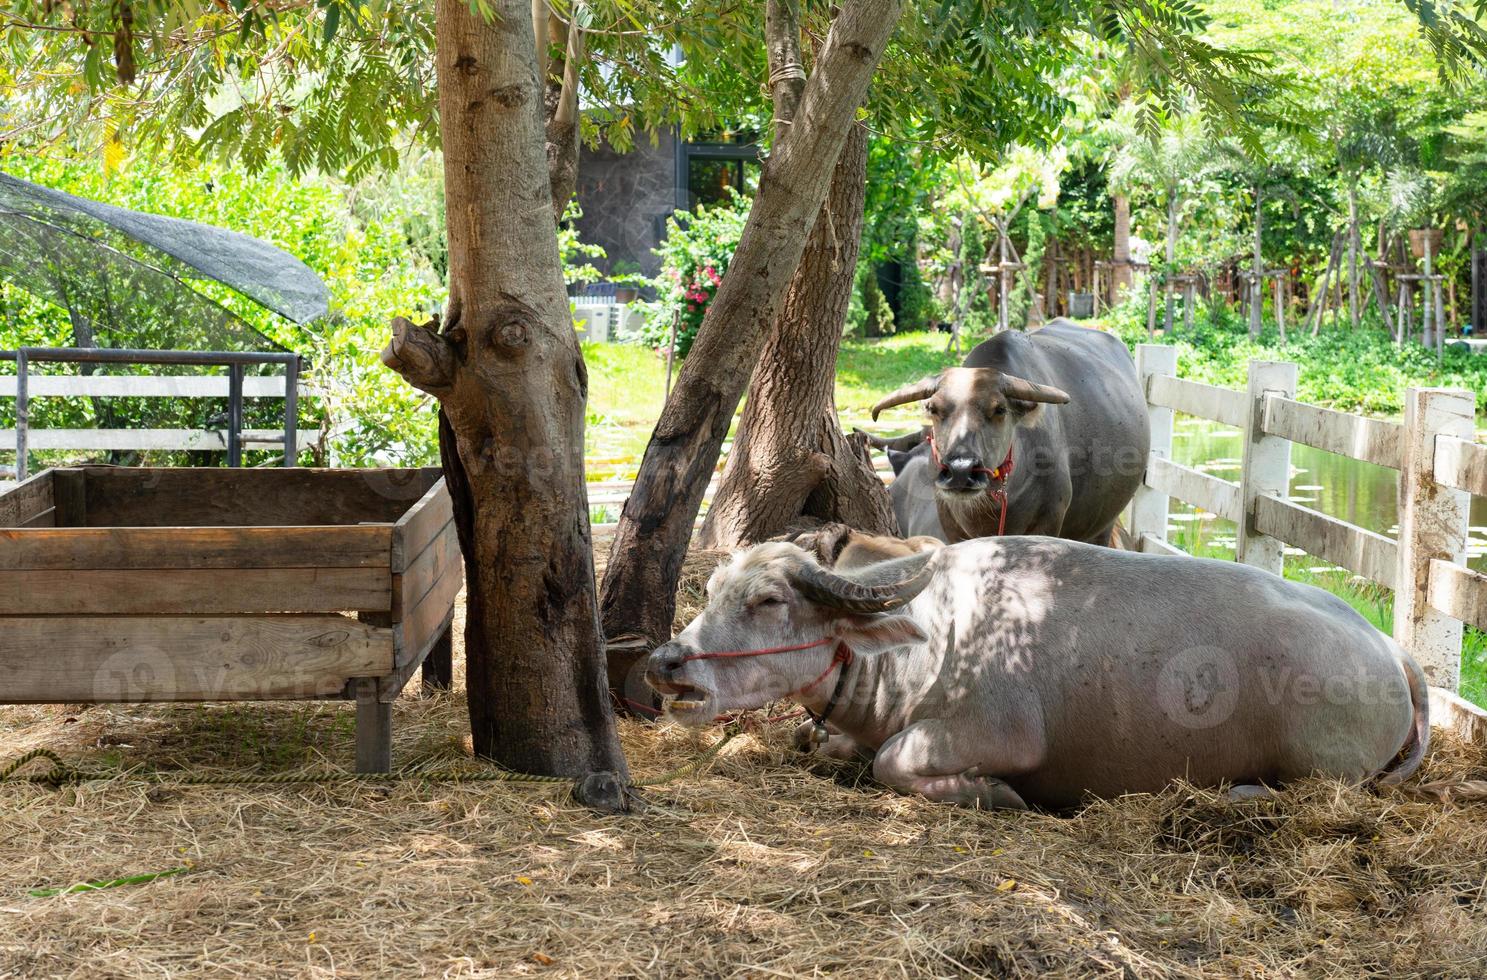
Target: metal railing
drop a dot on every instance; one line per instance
(197, 387)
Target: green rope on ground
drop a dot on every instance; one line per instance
(61, 773)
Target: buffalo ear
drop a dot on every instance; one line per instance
(897, 460)
(1022, 409)
(873, 634)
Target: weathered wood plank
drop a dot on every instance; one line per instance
(373, 729)
(422, 522)
(158, 591)
(142, 386)
(1148, 511)
(1200, 489)
(185, 658)
(210, 496)
(26, 500)
(1192, 398)
(1363, 552)
(351, 546)
(389, 687)
(69, 494)
(1458, 592)
(425, 570)
(145, 440)
(420, 625)
(1153, 545)
(1462, 464)
(1453, 713)
(1371, 440)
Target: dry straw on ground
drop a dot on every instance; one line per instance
(767, 865)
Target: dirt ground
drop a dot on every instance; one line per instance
(764, 865)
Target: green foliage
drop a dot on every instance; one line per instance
(366, 265)
(975, 306)
(367, 253)
(877, 314)
(1029, 281)
(694, 258)
(1350, 370)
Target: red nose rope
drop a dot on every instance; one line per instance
(1002, 473)
(841, 658)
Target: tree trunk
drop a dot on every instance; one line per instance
(1257, 282)
(511, 384)
(1121, 272)
(639, 595)
(790, 459)
(560, 99)
(1478, 316)
(1171, 258)
(1353, 308)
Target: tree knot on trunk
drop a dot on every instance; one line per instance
(510, 96)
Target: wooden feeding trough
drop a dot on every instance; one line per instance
(129, 585)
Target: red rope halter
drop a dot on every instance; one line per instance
(842, 658)
(999, 493)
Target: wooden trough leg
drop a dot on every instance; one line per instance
(373, 729)
(438, 666)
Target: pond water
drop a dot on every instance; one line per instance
(1358, 492)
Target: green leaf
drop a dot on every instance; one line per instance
(332, 21)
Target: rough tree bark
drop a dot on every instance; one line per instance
(559, 96)
(790, 459)
(1173, 205)
(511, 384)
(1257, 271)
(638, 600)
(1120, 269)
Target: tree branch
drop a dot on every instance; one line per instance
(786, 73)
(424, 358)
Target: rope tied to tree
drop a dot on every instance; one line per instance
(790, 71)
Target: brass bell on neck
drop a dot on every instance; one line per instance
(819, 735)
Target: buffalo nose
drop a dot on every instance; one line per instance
(960, 473)
(662, 667)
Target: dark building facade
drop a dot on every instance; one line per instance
(627, 197)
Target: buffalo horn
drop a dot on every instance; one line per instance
(1023, 390)
(916, 392)
(840, 592)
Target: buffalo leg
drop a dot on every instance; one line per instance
(931, 761)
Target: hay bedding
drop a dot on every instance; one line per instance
(766, 866)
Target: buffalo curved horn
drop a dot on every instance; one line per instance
(1027, 391)
(916, 392)
(904, 443)
(849, 595)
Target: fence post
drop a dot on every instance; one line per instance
(22, 412)
(1432, 524)
(1148, 506)
(1266, 464)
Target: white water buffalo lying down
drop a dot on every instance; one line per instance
(1004, 672)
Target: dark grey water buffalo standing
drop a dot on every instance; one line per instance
(1036, 433)
(1031, 670)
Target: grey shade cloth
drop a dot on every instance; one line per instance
(124, 276)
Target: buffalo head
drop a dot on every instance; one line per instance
(973, 413)
(776, 597)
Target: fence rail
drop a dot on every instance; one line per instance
(234, 386)
(1440, 464)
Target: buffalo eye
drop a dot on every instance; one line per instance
(767, 602)
(999, 411)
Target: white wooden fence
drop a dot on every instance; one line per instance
(1433, 448)
(135, 386)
